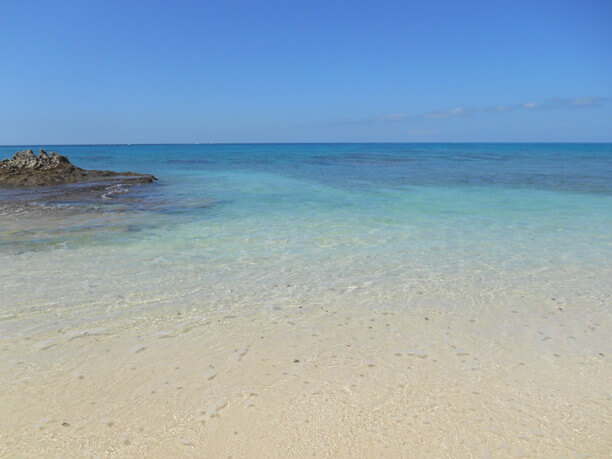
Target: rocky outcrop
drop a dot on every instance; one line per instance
(27, 169)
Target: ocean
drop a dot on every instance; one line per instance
(498, 235)
(251, 216)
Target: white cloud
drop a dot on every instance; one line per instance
(555, 103)
(394, 117)
(459, 111)
(577, 102)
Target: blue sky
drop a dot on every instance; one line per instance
(282, 71)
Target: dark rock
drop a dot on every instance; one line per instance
(27, 169)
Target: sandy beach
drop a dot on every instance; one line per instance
(223, 312)
(508, 376)
(280, 229)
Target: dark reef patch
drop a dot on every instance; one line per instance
(25, 169)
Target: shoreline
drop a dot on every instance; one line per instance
(378, 301)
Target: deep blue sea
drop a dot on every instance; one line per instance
(243, 218)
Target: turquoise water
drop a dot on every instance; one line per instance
(226, 225)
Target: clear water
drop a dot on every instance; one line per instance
(249, 227)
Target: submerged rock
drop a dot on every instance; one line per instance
(27, 169)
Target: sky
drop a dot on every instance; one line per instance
(86, 71)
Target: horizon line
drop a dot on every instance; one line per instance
(300, 143)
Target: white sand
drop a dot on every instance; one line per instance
(531, 378)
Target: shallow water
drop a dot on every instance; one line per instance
(338, 254)
(244, 217)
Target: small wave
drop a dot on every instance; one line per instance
(114, 190)
(32, 208)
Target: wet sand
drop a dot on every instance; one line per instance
(529, 379)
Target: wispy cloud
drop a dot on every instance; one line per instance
(400, 118)
(393, 117)
(576, 102)
(549, 104)
(459, 111)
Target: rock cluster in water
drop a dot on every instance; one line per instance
(27, 169)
